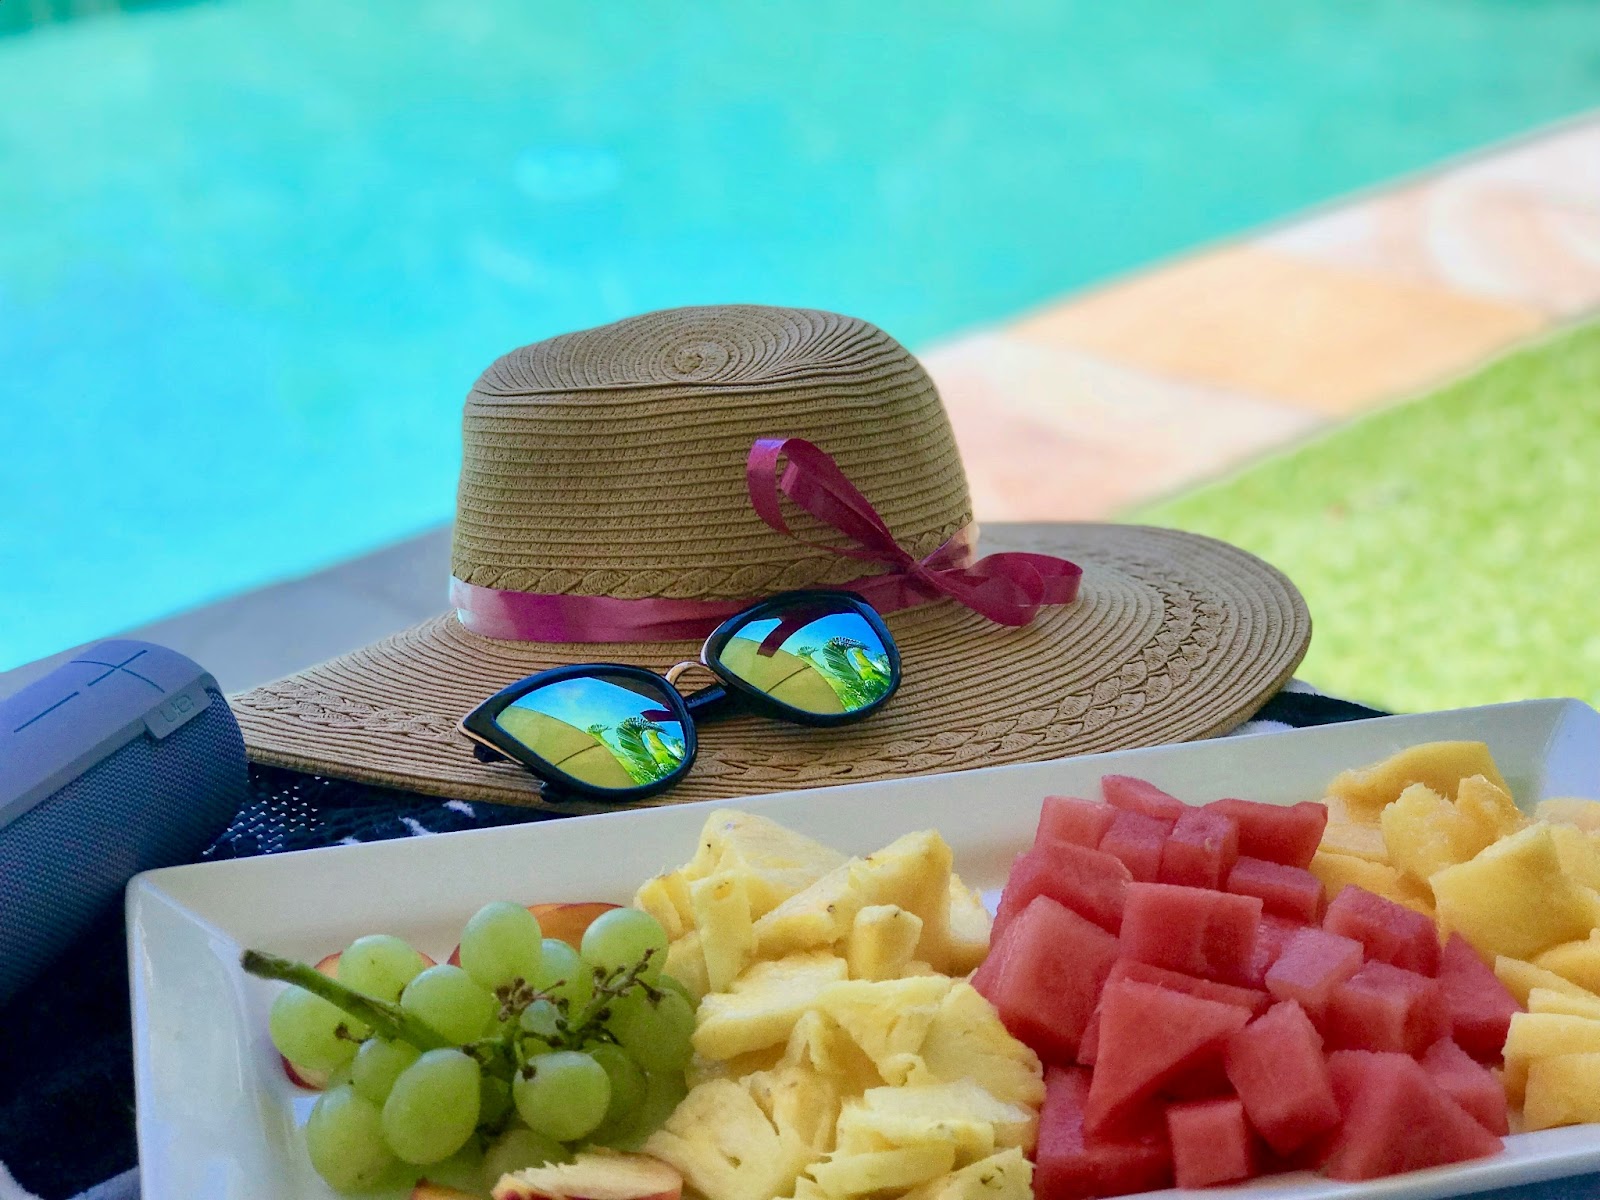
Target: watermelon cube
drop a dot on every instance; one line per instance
(993, 964)
(1292, 892)
(1282, 833)
(1068, 819)
(1091, 884)
(1200, 850)
(1136, 795)
(1150, 1036)
(1386, 1008)
(1469, 1083)
(1089, 1043)
(1311, 966)
(1391, 932)
(1479, 1005)
(1396, 1118)
(1069, 1164)
(1211, 1142)
(1052, 963)
(1137, 841)
(1192, 930)
(1272, 937)
(1275, 1063)
(1251, 1000)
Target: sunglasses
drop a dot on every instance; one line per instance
(612, 732)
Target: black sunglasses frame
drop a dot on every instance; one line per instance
(728, 694)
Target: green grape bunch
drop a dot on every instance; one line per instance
(524, 1053)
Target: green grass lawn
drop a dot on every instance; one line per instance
(1449, 548)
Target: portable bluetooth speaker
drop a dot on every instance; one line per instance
(123, 759)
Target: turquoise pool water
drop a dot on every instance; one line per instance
(252, 252)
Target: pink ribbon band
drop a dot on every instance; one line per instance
(1007, 588)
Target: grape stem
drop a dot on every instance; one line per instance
(499, 1056)
(591, 1022)
(387, 1019)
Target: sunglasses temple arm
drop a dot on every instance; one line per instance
(710, 702)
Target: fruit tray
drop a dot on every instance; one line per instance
(217, 1117)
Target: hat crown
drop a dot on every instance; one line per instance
(611, 462)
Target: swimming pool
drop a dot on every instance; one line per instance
(252, 252)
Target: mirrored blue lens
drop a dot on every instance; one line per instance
(819, 656)
(605, 730)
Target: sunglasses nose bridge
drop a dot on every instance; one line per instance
(676, 671)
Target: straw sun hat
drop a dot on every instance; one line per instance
(604, 485)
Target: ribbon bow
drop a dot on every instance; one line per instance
(1007, 588)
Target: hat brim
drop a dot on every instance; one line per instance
(1173, 637)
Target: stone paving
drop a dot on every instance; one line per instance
(1180, 373)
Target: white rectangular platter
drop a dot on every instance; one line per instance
(217, 1117)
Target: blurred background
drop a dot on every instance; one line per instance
(1311, 277)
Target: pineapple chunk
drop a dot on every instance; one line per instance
(888, 1020)
(725, 1147)
(862, 1131)
(913, 873)
(802, 1104)
(966, 1040)
(1569, 810)
(1536, 1036)
(963, 1110)
(882, 941)
(700, 1070)
(883, 1170)
(818, 916)
(666, 898)
(969, 928)
(1423, 833)
(1338, 871)
(807, 1188)
(1521, 978)
(1541, 1035)
(1579, 852)
(1548, 1000)
(1513, 898)
(1346, 833)
(776, 863)
(722, 915)
(686, 962)
(1487, 811)
(1440, 765)
(818, 1044)
(763, 1004)
(1578, 961)
(1007, 1175)
(1563, 1089)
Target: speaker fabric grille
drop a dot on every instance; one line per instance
(149, 804)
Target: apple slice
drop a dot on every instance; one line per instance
(304, 1077)
(568, 921)
(594, 1175)
(427, 1190)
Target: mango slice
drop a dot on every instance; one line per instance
(1440, 765)
(1513, 899)
(1562, 1090)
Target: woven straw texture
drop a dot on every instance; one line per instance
(611, 462)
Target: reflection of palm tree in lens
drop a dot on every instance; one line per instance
(646, 750)
(856, 675)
